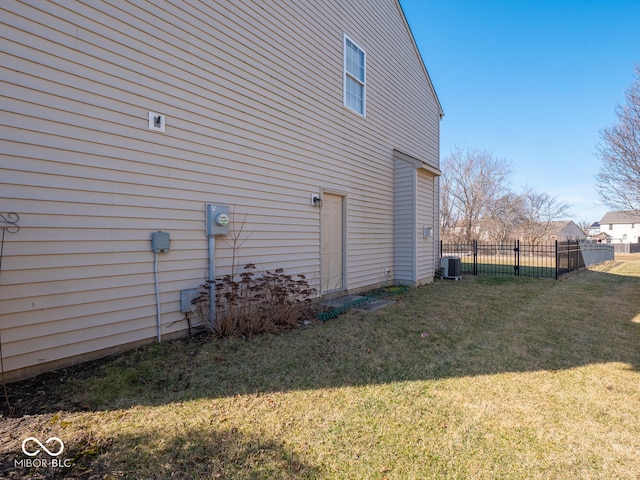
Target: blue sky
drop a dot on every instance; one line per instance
(533, 82)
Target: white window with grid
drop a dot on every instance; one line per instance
(355, 89)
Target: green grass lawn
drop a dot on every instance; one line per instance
(483, 378)
(539, 266)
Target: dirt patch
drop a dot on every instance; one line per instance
(36, 407)
(46, 393)
(61, 390)
(77, 453)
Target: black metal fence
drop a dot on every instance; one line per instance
(550, 259)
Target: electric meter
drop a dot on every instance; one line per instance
(218, 220)
(222, 219)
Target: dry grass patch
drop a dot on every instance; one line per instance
(484, 378)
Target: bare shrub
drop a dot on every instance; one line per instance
(249, 303)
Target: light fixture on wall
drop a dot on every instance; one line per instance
(316, 201)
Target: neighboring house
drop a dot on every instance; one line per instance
(560, 230)
(621, 226)
(316, 123)
(594, 229)
(564, 230)
(601, 238)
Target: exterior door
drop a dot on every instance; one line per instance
(332, 240)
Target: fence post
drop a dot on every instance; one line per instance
(475, 257)
(556, 259)
(517, 254)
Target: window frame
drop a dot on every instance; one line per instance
(346, 76)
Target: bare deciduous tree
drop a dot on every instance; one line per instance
(448, 217)
(504, 216)
(540, 210)
(471, 182)
(585, 226)
(618, 180)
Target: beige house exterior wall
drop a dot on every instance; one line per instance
(414, 220)
(252, 93)
(427, 245)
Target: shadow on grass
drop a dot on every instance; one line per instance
(205, 453)
(191, 453)
(479, 326)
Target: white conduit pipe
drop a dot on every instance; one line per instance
(212, 278)
(155, 272)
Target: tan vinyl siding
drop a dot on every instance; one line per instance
(252, 95)
(414, 209)
(425, 217)
(404, 222)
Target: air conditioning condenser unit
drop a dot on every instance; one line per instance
(451, 267)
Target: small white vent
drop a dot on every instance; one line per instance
(157, 121)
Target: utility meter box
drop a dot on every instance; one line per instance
(218, 220)
(186, 299)
(160, 242)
